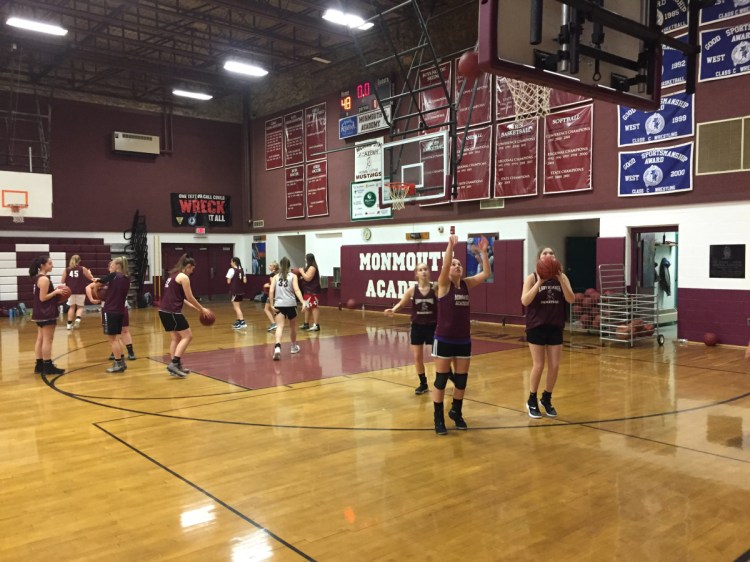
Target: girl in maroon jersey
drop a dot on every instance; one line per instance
(453, 332)
(75, 277)
(177, 291)
(45, 315)
(268, 309)
(236, 280)
(544, 300)
(423, 319)
(310, 278)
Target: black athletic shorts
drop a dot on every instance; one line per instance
(112, 323)
(545, 335)
(237, 298)
(173, 321)
(422, 334)
(445, 350)
(43, 323)
(289, 312)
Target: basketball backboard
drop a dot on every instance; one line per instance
(32, 190)
(608, 49)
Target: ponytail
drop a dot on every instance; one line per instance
(122, 261)
(182, 263)
(284, 267)
(75, 259)
(37, 264)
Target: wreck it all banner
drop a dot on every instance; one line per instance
(673, 119)
(200, 209)
(667, 169)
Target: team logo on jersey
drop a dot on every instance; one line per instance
(741, 52)
(655, 124)
(653, 176)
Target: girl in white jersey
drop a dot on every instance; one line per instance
(283, 298)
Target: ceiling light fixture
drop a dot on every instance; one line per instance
(192, 95)
(343, 18)
(244, 68)
(321, 60)
(36, 26)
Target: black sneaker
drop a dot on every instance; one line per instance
(117, 367)
(422, 388)
(533, 410)
(132, 357)
(304, 326)
(458, 419)
(51, 369)
(440, 428)
(548, 408)
(176, 371)
(111, 357)
(38, 367)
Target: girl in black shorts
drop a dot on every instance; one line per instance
(544, 300)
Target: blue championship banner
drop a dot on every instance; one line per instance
(673, 120)
(671, 14)
(667, 169)
(724, 9)
(673, 65)
(725, 52)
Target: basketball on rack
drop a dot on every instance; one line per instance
(351, 303)
(64, 294)
(547, 267)
(468, 65)
(99, 292)
(207, 318)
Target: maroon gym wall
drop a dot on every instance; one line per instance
(96, 190)
(717, 311)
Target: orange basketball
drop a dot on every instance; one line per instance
(547, 267)
(710, 339)
(468, 65)
(65, 294)
(207, 318)
(99, 292)
(351, 303)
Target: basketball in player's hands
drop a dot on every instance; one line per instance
(207, 318)
(468, 65)
(99, 292)
(548, 267)
(351, 303)
(65, 293)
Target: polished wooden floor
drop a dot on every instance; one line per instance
(329, 455)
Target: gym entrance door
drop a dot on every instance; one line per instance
(211, 265)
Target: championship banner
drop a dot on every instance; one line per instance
(561, 98)
(567, 150)
(474, 171)
(274, 143)
(655, 171)
(674, 119)
(295, 192)
(724, 9)
(725, 53)
(434, 96)
(481, 109)
(294, 138)
(368, 160)
(201, 209)
(516, 157)
(672, 14)
(504, 106)
(365, 201)
(380, 274)
(315, 132)
(673, 65)
(433, 172)
(316, 188)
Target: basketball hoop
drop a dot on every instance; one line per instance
(399, 191)
(530, 100)
(17, 212)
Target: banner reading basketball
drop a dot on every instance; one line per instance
(567, 150)
(516, 158)
(200, 209)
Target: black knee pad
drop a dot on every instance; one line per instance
(460, 380)
(441, 379)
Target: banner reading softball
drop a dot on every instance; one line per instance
(656, 171)
(274, 143)
(294, 138)
(481, 110)
(316, 188)
(725, 52)
(673, 119)
(516, 157)
(567, 150)
(435, 96)
(295, 192)
(315, 132)
(474, 170)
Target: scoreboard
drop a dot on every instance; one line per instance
(359, 111)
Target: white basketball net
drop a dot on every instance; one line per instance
(398, 192)
(530, 100)
(17, 212)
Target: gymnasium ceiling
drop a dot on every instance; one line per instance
(136, 51)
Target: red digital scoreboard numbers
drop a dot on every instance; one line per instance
(362, 97)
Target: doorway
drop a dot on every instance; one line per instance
(211, 264)
(654, 267)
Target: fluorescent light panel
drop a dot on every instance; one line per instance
(321, 60)
(244, 68)
(193, 95)
(349, 20)
(36, 26)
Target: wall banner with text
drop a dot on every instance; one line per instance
(274, 143)
(516, 157)
(568, 145)
(315, 132)
(673, 15)
(724, 9)
(316, 188)
(201, 209)
(474, 171)
(295, 192)
(365, 201)
(656, 171)
(294, 138)
(674, 119)
(368, 160)
(435, 96)
(673, 65)
(725, 52)
(481, 108)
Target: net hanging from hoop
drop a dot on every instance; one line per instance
(399, 192)
(530, 100)
(17, 212)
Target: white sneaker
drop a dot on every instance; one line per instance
(276, 353)
(77, 323)
(295, 348)
(70, 326)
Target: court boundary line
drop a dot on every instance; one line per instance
(208, 494)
